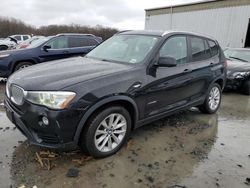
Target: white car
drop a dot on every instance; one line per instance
(11, 41)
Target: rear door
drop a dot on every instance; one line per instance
(170, 88)
(201, 63)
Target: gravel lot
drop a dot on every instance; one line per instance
(189, 149)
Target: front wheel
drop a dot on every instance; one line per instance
(106, 132)
(3, 47)
(22, 65)
(212, 101)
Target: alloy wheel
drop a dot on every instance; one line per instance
(110, 132)
(214, 98)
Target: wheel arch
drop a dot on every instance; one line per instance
(121, 100)
(21, 61)
(4, 45)
(221, 83)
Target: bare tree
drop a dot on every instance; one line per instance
(10, 26)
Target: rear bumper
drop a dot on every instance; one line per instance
(40, 138)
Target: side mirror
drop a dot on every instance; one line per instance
(166, 62)
(46, 47)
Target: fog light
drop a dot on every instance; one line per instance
(45, 120)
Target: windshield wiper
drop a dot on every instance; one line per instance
(231, 57)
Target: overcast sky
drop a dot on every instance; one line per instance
(121, 14)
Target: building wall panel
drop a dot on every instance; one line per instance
(228, 25)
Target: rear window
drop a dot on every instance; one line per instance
(200, 49)
(214, 47)
(25, 37)
(92, 42)
(76, 41)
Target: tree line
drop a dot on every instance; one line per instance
(11, 26)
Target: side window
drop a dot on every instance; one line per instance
(175, 47)
(214, 47)
(75, 42)
(25, 37)
(92, 42)
(59, 43)
(199, 49)
(17, 37)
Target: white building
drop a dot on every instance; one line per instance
(226, 20)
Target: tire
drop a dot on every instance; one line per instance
(3, 47)
(212, 101)
(246, 87)
(22, 65)
(100, 142)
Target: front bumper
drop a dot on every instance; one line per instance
(59, 134)
(5, 70)
(234, 84)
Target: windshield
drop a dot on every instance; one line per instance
(240, 55)
(124, 48)
(38, 42)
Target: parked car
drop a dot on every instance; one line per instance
(8, 43)
(46, 49)
(238, 74)
(21, 38)
(11, 41)
(131, 79)
(26, 43)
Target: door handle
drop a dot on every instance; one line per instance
(65, 52)
(187, 70)
(137, 85)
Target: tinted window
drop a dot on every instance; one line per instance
(92, 42)
(75, 42)
(175, 47)
(199, 49)
(59, 43)
(25, 37)
(214, 47)
(17, 37)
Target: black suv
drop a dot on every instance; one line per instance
(47, 49)
(131, 79)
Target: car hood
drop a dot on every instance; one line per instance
(16, 51)
(238, 66)
(56, 75)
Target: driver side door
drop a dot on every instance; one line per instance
(59, 49)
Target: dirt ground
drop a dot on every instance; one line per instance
(189, 149)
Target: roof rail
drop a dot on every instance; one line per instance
(85, 34)
(123, 31)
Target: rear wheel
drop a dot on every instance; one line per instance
(246, 87)
(212, 101)
(3, 47)
(22, 65)
(106, 132)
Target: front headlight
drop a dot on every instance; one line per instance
(4, 55)
(50, 99)
(241, 74)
